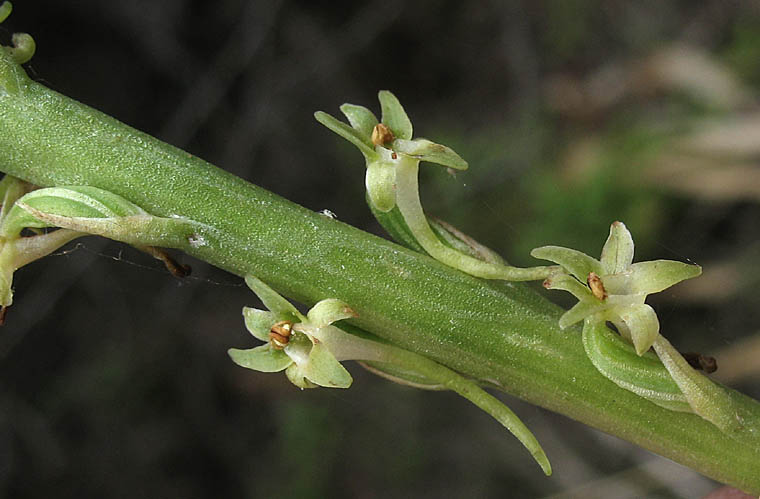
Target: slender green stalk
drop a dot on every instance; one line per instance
(408, 201)
(504, 335)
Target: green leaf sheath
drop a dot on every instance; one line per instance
(503, 335)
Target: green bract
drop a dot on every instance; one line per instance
(103, 213)
(614, 288)
(78, 211)
(17, 250)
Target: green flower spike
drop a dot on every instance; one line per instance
(613, 288)
(309, 349)
(392, 158)
(296, 344)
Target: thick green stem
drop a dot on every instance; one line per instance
(504, 335)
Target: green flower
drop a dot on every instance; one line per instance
(613, 288)
(385, 143)
(296, 344)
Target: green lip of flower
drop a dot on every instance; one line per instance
(305, 358)
(624, 285)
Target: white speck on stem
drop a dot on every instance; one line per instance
(197, 241)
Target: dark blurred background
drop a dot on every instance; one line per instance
(114, 377)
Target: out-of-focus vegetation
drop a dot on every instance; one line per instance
(114, 376)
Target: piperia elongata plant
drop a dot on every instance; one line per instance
(309, 349)
(392, 158)
(493, 333)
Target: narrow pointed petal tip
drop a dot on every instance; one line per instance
(328, 311)
(258, 322)
(362, 119)
(617, 253)
(652, 276)
(394, 116)
(428, 151)
(262, 359)
(272, 300)
(357, 138)
(323, 369)
(643, 324)
(575, 262)
(579, 312)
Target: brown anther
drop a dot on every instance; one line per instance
(279, 334)
(596, 285)
(394, 155)
(381, 135)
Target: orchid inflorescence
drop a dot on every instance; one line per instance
(611, 290)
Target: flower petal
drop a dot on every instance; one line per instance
(324, 370)
(299, 348)
(650, 277)
(282, 308)
(328, 311)
(425, 150)
(258, 322)
(380, 182)
(394, 115)
(362, 120)
(570, 284)
(617, 253)
(643, 325)
(364, 143)
(296, 376)
(577, 263)
(578, 312)
(263, 358)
